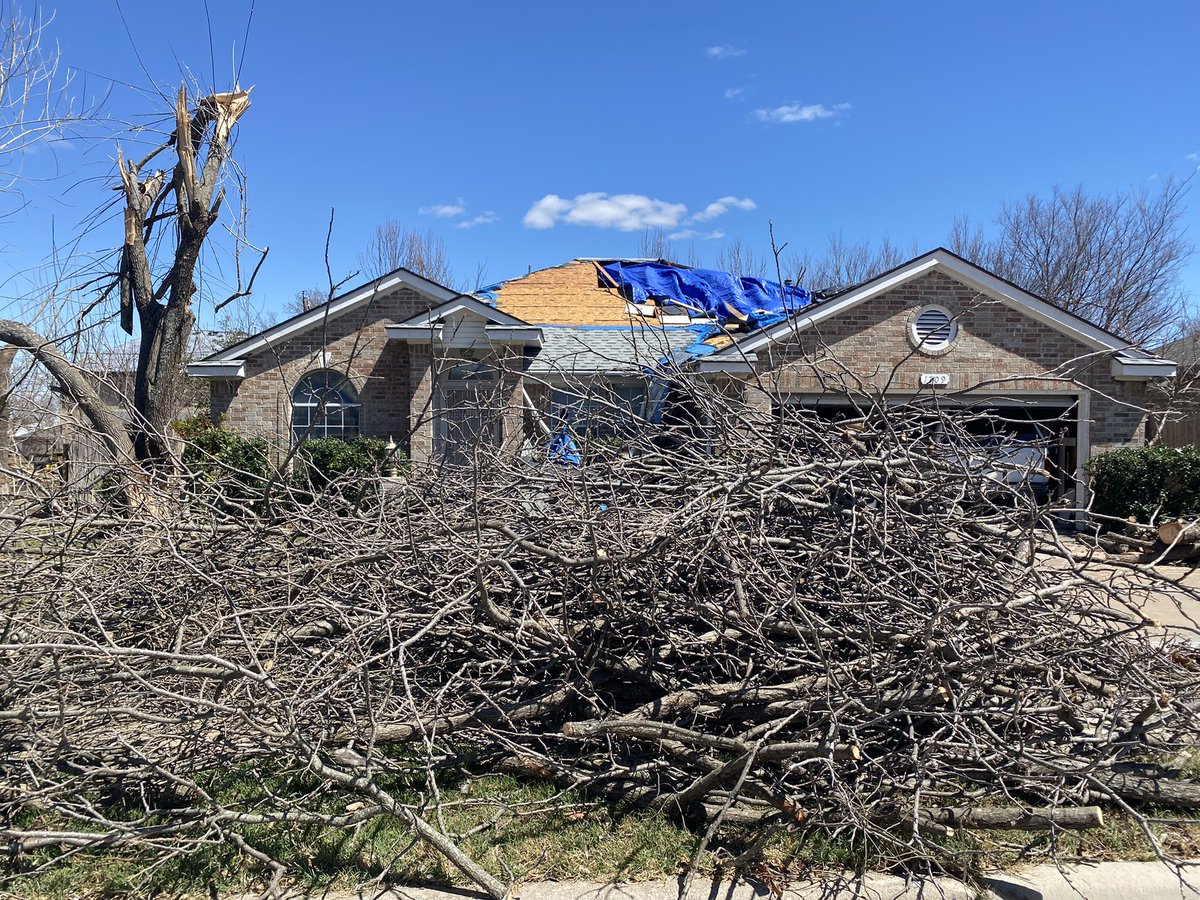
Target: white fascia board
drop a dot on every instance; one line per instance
(334, 308)
(415, 334)
(529, 335)
(1035, 308)
(742, 364)
(1142, 369)
(225, 368)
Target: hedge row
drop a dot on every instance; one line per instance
(1143, 481)
(243, 466)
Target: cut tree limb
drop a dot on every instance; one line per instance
(1178, 532)
(1015, 818)
(1160, 791)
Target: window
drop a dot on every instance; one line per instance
(471, 370)
(933, 329)
(324, 404)
(599, 411)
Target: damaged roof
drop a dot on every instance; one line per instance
(643, 296)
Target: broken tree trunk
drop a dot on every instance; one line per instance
(73, 383)
(164, 305)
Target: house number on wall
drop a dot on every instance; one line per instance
(929, 379)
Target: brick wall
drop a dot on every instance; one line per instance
(995, 343)
(354, 343)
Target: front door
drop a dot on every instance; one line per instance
(468, 412)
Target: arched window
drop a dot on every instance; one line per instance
(324, 404)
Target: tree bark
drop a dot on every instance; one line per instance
(164, 309)
(1159, 791)
(1016, 818)
(73, 383)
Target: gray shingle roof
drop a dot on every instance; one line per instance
(583, 349)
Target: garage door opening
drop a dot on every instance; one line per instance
(1037, 438)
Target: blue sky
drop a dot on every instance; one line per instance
(497, 125)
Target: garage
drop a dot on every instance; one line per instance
(1037, 437)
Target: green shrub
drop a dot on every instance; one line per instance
(348, 467)
(241, 467)
(215, 457)
(192, 426)
(1144, 480)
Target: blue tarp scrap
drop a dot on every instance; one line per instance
(489, 292)
(721, 295)
(563, 449)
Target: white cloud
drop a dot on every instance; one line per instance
(546, 211)
(798, 112)
(444, 210)
(724, 51)
(733, 93)
(484, 218)
(625, 212)
(690, 234)
(1194, 157)
(721, 206)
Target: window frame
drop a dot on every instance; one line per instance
(319, 413)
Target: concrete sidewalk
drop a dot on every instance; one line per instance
(1100, 881)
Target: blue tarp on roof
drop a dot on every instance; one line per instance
(721, 295)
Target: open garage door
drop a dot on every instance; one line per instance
(1036, 439)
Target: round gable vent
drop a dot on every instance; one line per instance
(934, 329)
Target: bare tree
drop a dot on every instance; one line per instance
(308, 299)
(393, 246)
(738, 257)
(160, 288)
(653, 244)
(1113, 259)
(36, 107)
(843, 263)
(36, 104)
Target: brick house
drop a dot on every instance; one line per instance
(406, 358)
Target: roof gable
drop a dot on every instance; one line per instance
(953, 265)
(350, 300)
(464, 303)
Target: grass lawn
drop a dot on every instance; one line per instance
(529, 832)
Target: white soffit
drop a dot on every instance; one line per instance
(229, 368)
(1142, 369)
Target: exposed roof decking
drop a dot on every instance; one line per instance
(569, 294)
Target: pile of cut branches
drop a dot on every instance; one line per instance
(764, 622)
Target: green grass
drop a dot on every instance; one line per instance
(523, 832)
(518, 831)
